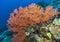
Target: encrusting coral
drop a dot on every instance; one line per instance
(23, 18)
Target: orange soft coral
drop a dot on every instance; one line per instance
(23, 18)
(19, 37)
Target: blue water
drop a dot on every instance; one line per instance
(7, 6)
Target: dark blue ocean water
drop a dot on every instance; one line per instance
(7, 6)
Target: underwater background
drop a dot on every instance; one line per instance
(8, 6)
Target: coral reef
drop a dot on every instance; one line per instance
(55, 28)
(54, 3)
(23, 18)
(6, 36)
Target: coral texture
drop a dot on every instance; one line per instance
(55, 29)
(23, 18)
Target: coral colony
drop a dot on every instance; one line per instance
(29, 24)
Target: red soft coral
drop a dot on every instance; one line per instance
(23, 18)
